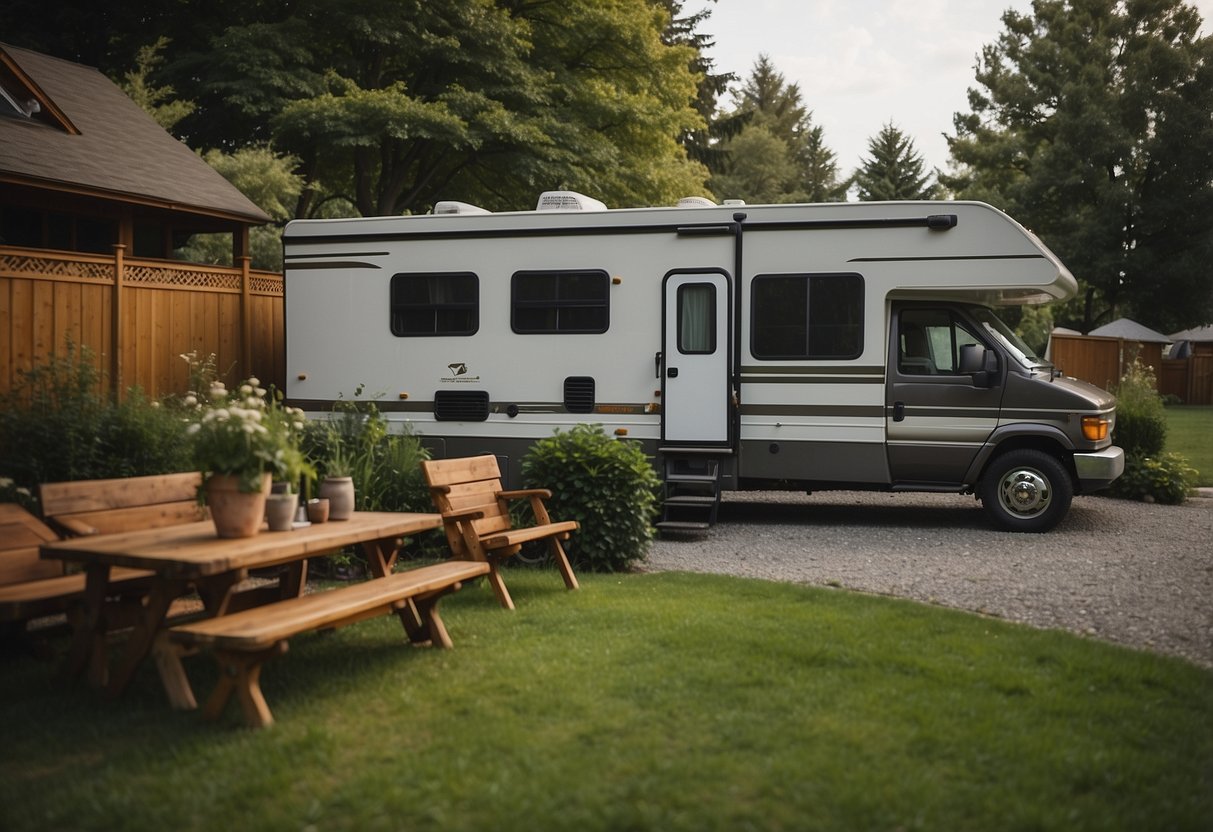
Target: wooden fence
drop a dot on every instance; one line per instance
(139, 316)
(1103, 361)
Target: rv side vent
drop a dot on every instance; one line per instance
(568, 201)
(461, 405)
(579, 394)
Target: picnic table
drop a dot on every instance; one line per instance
(192, 555)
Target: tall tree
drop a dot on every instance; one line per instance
(894, 170)
(779, 155)
(1093, 124)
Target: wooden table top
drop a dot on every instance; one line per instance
(194, 550)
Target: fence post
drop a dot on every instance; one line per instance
(246, 317)
(116, 319)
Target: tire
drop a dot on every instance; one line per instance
(1026, 491)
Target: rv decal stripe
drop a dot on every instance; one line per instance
(336, 254)
(940, 259)
(335, 264)
(849, 370)
(950, 412)
(833, 411)
(812, 380)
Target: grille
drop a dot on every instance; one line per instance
(579, 394)
(461, 405)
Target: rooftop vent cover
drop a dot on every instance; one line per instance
(568, 201)
(451, 206)
(696, 202)
(461, 405)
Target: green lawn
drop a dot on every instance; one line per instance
(1190, 432)
(652, 701)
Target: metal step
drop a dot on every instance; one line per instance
(690, 500)
(682, 526)
(703, 478)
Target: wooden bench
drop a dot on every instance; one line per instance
(126, 504)
(243, 641)
(476, 516)
(31, 587)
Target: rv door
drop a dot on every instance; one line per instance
(694, 363)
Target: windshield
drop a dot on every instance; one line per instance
(1007, 337)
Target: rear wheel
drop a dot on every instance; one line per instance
(1026, 491)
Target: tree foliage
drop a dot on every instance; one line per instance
(894, 170)
(778, 154)
(1093, 124)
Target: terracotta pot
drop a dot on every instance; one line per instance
(317, 511)
(280, 511)
(235, 513)
(340, 493)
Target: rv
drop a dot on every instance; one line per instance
(834, 346)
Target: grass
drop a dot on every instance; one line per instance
(654, 701)
(1190, 432)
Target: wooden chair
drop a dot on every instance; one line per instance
(126, 504)
(476, 516)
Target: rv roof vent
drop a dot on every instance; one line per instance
(695, 202)
(733, 202)
(568, 201)
(450, 206)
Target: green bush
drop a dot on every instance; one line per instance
(1141, 420)
(1167, 479)
(58, 424)
(606, 485)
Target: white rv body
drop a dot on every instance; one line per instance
(751, 344)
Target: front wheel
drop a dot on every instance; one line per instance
(1026, 491)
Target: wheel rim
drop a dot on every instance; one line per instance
(1025, 492)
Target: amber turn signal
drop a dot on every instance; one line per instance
(1094, 428)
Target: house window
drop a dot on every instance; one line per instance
(560, 302)
(807, 316)
(435, 303)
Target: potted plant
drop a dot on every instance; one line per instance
(240, 442)
(338, 483)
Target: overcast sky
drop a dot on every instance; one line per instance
(863, 63)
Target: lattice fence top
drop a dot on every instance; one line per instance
(24, 265)
(136, 273)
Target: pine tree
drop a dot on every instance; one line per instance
(894, 170)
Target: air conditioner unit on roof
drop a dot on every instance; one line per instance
(451, 206)
(568, 201)
(696, 202)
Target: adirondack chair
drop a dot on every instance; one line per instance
(476, 517)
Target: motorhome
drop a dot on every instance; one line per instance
(755, 347)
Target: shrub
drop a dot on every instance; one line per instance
(1166, 479)
(606, 485)
(1141, 420)
(58, 424)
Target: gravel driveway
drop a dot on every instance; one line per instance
(1132, 573)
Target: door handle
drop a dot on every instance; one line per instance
(899, 411)
(657, 364)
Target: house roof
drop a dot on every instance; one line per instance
(88, 137)
(1130, 331)
(1200, 333)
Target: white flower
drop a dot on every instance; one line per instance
(194, 428)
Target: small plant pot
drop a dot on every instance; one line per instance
(318, 510)
(340, 494)
(280, 511)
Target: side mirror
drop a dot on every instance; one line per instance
(972, 359)
(980, 363)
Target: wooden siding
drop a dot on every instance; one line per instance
(1103, 361)
(139, 316)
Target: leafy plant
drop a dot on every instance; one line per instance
(1166, 479)
(1141, 430)
(57, 423)
(606, 485)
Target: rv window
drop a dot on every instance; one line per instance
(929, 342)
(563, 301)
(435, 303)
(697, 319)
(806, 316)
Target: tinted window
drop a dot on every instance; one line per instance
(435, 304)
(560, 301)
(807, 316)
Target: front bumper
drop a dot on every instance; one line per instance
(1098, 469)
